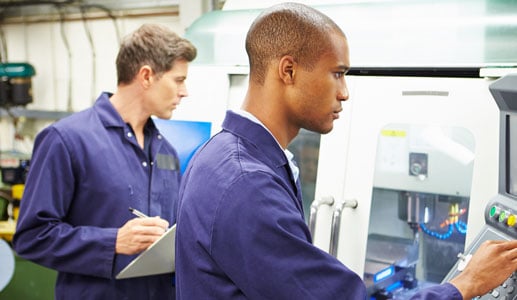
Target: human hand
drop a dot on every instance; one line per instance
(489, 267)
(138, 234)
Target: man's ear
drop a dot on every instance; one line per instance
(145, 75)
(287, 69)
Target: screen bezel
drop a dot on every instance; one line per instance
(510, 162)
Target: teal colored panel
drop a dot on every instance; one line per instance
(403, 33)
(219, 37)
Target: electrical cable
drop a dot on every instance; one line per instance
(69, 52)
(36, 2)
(83, 8)
(3, 53)
(110, 15)
(94, 54)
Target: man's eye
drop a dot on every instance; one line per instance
(339, 75)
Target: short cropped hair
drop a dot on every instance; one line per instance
(154, 45)
(288, 29)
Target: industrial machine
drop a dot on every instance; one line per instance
(418, 157)
(16, 84)
(501, 211)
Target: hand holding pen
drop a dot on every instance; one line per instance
(139, 233)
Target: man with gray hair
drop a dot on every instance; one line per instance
(89, 168)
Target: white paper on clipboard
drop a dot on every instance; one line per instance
(157, 259)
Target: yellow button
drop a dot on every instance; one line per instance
(511, 220)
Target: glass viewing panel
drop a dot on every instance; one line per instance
(419, 208)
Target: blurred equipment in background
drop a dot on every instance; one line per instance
(7, 263)
(16, 84)
(14, 168)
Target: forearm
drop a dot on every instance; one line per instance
(444, 291)
(83, 250)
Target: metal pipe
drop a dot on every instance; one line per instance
(38, 2)
(315, 206)
(336, 224)
(215, 5)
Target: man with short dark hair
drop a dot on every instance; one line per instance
(241, 232)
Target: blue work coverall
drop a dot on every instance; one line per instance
(241, 232)
(86, 171)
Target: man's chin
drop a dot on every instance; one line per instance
(166, 115)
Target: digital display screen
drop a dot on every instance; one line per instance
(511, 148)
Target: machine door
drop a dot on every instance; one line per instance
(348, 155)
(419, 207)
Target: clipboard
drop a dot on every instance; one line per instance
(159, 258)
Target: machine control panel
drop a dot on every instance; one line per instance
(508, 289)
(501, 211)
(502, 217)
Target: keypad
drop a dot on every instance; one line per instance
(506, 291)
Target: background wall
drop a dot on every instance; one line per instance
(73, 50)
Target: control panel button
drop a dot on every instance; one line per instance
(503, 216)
(494, 212)
(495, 293)
(511, 220)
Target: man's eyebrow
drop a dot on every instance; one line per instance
(345, 68)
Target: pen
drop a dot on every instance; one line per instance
(137, 213)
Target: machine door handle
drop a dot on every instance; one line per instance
(336, 222)
(315, 206)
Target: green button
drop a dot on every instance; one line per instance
(493, 211)
(502, 216)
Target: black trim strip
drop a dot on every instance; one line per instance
(466, 72)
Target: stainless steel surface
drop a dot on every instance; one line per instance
(336, 224)
(316, 204)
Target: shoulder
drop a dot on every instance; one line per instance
(77, 121)
(229, 159)
(66, 132)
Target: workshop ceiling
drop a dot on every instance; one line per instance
(42, 8)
